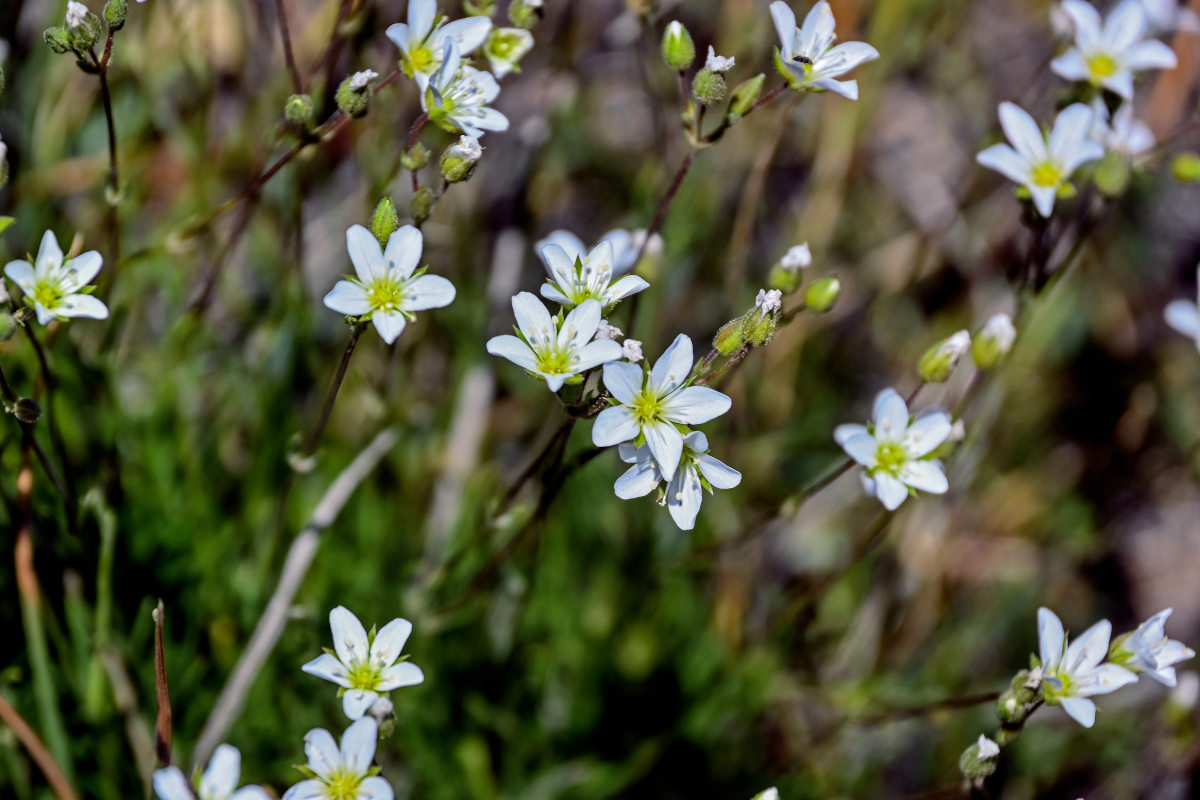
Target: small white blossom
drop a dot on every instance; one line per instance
(716, 63)
(894, 451)
(554, 352)
(1184, 316)
(386, 289)
(796, 258)
(1042, 164)
(458, 96)
(653, 403)
(573, 279)
(1149, 650)
(986, 749)
(625, 245)
(769, 301)
(1000, 330)
(361, 80)
(809, 55)
(363, 666)
(1123, 134)
(422, 41)
(343, 773)
(1108, 52)
(219, 781)
(58, 290)
(697, 471)
(608, 331)
(76, 14)
(1074, 673)
(631, 351)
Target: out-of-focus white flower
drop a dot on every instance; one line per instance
(1148, 650)
(1184, 316)
(422, 40)
(553, 352)
(365, 667)
(697, 471)
(608, 331)
(574, 279)
(1039, 163)
(716, 63)
(809, 55)
(361, 80)
(1187, 691)
(631, 350)
(1123, 134)
(894, 452)
(467, 148)
(999, 329)
(1074, 673)
(386, 290)
(343, 773)
(653, 403)
(1166, 16)
(796, 258)
(986, 749)
(58, 290)
(219, 781)
(625, 245)
(76, 14)
(1108, 52)
(505, 47)
(457, 97)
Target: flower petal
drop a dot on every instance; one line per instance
(86, 267)
(1043, 198)
(673, 366)
(375, 788)
(890, 490)
(694, 405)
(638, 481)
(1150, 54)
(624, 287)
(847, 89)
(1088, 650)
(221, 777)
(718, 473)
(925, 476)
(532, 318)
(1125, 25)
(390, 324)
(21, 273)
(684, 496)
(666, 443)
(400, 675)
(514, 350)
(306, 790)
(927, 433)
(469, 33)
(322, 752)
(817, 32)
(82, 305)
(559, 263)
(580, 324)
(863, 448)
(1023, 132)
(250, 793)
(1072, 66)
(1070, 131)
(1087, 23)
(428, 291)
(1104, 679)
(327, 667)
(398, 33)
(169, 784)
(1051, 638)
(785, 25)
(421, 14)
(389, 641)
(348, 298)
(843, 58)
(890, 416)
(349, 636)
(843, 432)
(623, 380)
(613, 426)
(1081, 710)
(49, 255)
(569, 242)
(365, 254)
(601, 351)
(358, 745)
(403, 251)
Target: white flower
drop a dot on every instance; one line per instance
(574, 279)
(796, 258)
(986, 749)
(423, 40)
(387, 291)
(631, 351)
(1166, 16)
(1149, 650)
(505, 48)
(1184, 316)
(893, 451)
(1123, 135)
(716, 63)
(808, 53)
(1073, 674)
(955, 347)
(653, 403)
(625, 245)
(360, 80)
(1108, 52)
(769, 302)
(467, 148)
(999, 330)
(555, 352)
(58, 290)
(219, 781)
(458, 96)
(697, 471)
(345, 773)
(365, 667)
(76, 14)
(1042, 164)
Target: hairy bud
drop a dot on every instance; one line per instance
(979, 760)
(1112, 175)
(479, 8)
(678, 49)
(385, 220)
(57, 40)
(299, 110)
(744, 97)
(822, 295)
(415, 157)
(940, 360)
(709, 87)
(352, 97)
(459, 159)
(114, 14)
(422, 204)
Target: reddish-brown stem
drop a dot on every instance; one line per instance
(297, 83)
(37, 750)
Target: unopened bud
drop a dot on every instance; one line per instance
(940, 360)
(415, 157)
(631, 350)
(114, 14)
(479, 8)
(1186, 168)
(27, 410)
(822, 295)
(785, 280)
(729, 338)
(57, 39)
(758, 326)
(979, 760)
(608, 331)
(351, 100)
(994, 341)
(83, 27)
(709, 87)
(526, 13)
(678, 49)
(744, 97)
(1112, 175)
(299, 110)
(422, 204)
(385, 220)
(459, 159)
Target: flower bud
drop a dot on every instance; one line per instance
(631, 350)
(459, 159)
(57, 39)
(27, 410)
(709, 87)
(678, 49)
(744, 97)
(758, 326)
(785, 280)
(353, 96)
(479, 8)
(422, 204)
(526, 13)
(729, 338)
(608, 331)
(940, 360)
(385, 220)
(822, 295)
(415, 157)
(1186, 168)
(114, 14)
(979, 760)
(83, 27)
(299, 110)
(1112, 175)
(994, 341)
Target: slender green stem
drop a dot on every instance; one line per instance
(334, 387)
(56, 439)
(10, 396)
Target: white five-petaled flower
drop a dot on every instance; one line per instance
(631, 350)
(809, 55)
(1123, 134)
(361, 80)
(716, 63)
(652, 405)
(1042, 163)
(365, 667)
(796, 258)
(422, 40)
(1072, 674)
(57, 289)
(387, 290)
(769, 301)
(505, 47)
(555, 352)
(76, 14)
(1108, 52)
(467, 148)
(893, 451)
(1184, 316)
(1148, 650)
(574, 279)
(697, 471)
(458, 95)
(219, 781)
(343, 773)
(625, 245)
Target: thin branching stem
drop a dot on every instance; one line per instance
(310, 444)
(285, 35)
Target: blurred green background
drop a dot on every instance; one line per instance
(589, 649)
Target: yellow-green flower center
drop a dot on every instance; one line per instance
(364, 675)
(1101, 66)
(1046, 174)
(554, 360)
(1049, 689)
(421, 60)
(342, 786)
(647, 407)
(890, 457)
(386, 294)
(48, 294)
